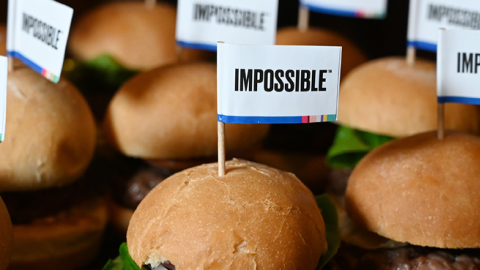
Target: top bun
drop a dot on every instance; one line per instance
(254, 217)
(136, 36)
(389, 97)
(50, 133)
(420, 190)
(3, 40)
(171, 113)
(352, 55)
(6, 236)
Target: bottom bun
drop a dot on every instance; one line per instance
(119, 217)
(69, 240)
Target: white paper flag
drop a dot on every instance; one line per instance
(372, 9)
(427, 16)
(277, 84)
(201, 24)
(458, 66)
(38, 33)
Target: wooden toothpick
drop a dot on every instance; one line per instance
(441, 121)
(221, 149)
(411, 55)
(303, 18)
(150, 3)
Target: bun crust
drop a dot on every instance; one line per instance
(255, 217)
(136, 36)
(70, 240)
(50, 133)
(390, 97)
(420, 190)
(171, 113)
(352, 55)
(6, 236)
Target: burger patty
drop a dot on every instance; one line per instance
(405, 258)
(27, 206)
(134, 180)
(337, 180)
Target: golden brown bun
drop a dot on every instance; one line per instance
(390, 97)
(119, 217)
(67, 241)
(6, 236)
(310, 169)
(420, 190)
(171, 113)
(3, 39)
(255, 217)
(136, 36)
(352, 56)
(50, 133)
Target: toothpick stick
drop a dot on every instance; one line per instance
(10, 64)
(150, 3)
(441, 121)
(411, 55)
(221, 149)
(303, 18)
(180, 53)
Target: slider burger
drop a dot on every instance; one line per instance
(50, 140)
(385, 99)
(352, 55)
(165, 120)
(6, 236)
(421, 194)
(254, 217)
(118, 39)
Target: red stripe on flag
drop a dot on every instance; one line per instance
(305, 119)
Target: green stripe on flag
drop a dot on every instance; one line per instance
(331, 117)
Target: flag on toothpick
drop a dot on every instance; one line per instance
(427, 16)
(201, 25)
(37, 34)
(458, 66)
(277, 84)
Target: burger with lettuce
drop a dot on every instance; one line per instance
(254, 217)
(413, 204)
(386, 99)
(117, 40)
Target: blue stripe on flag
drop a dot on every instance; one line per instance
(200, 46)
(259, 119)
(330, 11)
(25, 60)
(466, 100)
(422, 45)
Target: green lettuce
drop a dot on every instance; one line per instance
(330, 217)
(351, 145)
(122, 262)
(329, 214)
(102, 72)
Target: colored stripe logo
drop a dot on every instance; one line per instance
(345, 13)
(276, 119)
(199, 46)
(422, 45)
(45, 73)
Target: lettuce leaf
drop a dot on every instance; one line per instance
(351, 145)
(122, 262)
(330, 217)
(102, 72)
